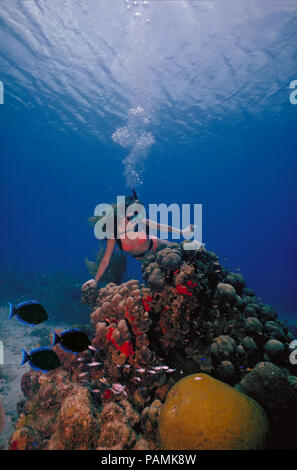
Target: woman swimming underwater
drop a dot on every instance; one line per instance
(132, 236)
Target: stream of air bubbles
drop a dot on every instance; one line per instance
(132, 68)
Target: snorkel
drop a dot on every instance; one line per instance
(134, 194)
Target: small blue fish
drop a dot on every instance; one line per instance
(41, 359)
(29, 312)
(73, 340)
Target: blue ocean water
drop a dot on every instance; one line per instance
(191, 95)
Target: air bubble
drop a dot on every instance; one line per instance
(135, 3)
(137, 14)
(146, 3)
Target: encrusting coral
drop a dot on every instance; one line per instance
(191, 316)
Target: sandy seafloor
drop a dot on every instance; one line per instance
(15, 337)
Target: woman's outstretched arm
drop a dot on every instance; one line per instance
(163, 227)
(103, 264)
(106, 259)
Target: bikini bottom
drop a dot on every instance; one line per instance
(152, 246)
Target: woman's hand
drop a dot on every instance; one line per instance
(91, 283)
(187, 232)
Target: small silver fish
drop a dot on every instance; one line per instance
(141, 370)
(92, 348)
(152, 372)
(118, 387)
(169, 371)
(80, 359)
(104, 381)
(94, 364)
(126, 366)
(138, 379)
(83, 374)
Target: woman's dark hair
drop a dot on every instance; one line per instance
(128, 201)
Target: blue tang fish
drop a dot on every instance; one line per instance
(73, 340)
(29, 312)
(41, 359)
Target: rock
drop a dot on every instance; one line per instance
(24, 438)
(226, 371)
(293, 382)
(250, 311)
(77, 424)
(132, 416)
(226, 292)
(236, 280)
(193, 417)
(169, 259)
(142, 444)
(275, 331)
(249, 344)
(30, 383)
(253, 327)
(267, 313)
(239, 301)
(275, 350)
(240, 350)
(115, 433)
(223, 347)
(154, 412)
(156, 281)
(251, 348)
(150, 417)
(20, 405)
(89, 295)
(249, 292)
(269, 385)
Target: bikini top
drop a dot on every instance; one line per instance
(140, 240)
(137, 242)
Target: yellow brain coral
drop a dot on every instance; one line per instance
(201, 412)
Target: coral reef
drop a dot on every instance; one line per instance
(191, 315)
(203, 413)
